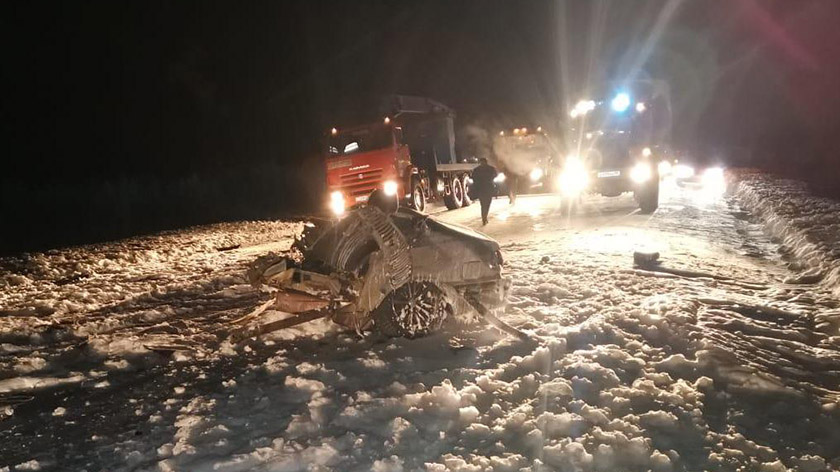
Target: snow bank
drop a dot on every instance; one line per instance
(808, 226)
(112, 305)
(78, 280)
(84, 278)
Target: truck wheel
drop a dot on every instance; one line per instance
(648, 197)
(418, 198)
(413, 310)
(466, 180)
(455, 199)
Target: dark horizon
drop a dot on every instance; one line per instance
(129, 118)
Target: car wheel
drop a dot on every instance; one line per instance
(418, 198)
(648, 198)
(455, 198)
(413, 310)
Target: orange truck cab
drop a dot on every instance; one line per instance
(362, 159)
(409, 154)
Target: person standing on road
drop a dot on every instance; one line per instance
(484, 187)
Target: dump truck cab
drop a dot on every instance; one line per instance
(408, 155)
(365, 158)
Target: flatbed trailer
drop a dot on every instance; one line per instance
(465, 167)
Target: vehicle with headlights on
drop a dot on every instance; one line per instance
(613, 167)
(527, 159)
(408, 155)
(616, 145)
(696, 174)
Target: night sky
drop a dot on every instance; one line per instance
(127, 117)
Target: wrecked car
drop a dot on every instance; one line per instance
(400, 273)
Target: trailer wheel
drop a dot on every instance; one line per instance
(455, 198)
(413, 310)
(418, 197)
(466, 180)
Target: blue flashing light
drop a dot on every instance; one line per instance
(621, 102)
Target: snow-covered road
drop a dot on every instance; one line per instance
(113, 356)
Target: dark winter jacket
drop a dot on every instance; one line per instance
(482, 177)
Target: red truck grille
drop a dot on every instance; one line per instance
(362, 182)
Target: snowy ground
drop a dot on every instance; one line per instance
(113, 357)
(807, 226)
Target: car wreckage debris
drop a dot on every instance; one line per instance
(499, 324)
(401, 274)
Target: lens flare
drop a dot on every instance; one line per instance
(621, 102)
(574, 178)
(641, 173)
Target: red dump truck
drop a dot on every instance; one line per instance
(409, 152)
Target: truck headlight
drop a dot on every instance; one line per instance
(337, 204)
(664, 168)
(574, 179)
(499, 178)
(536, 174)
(641, 173)
(390, 188)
